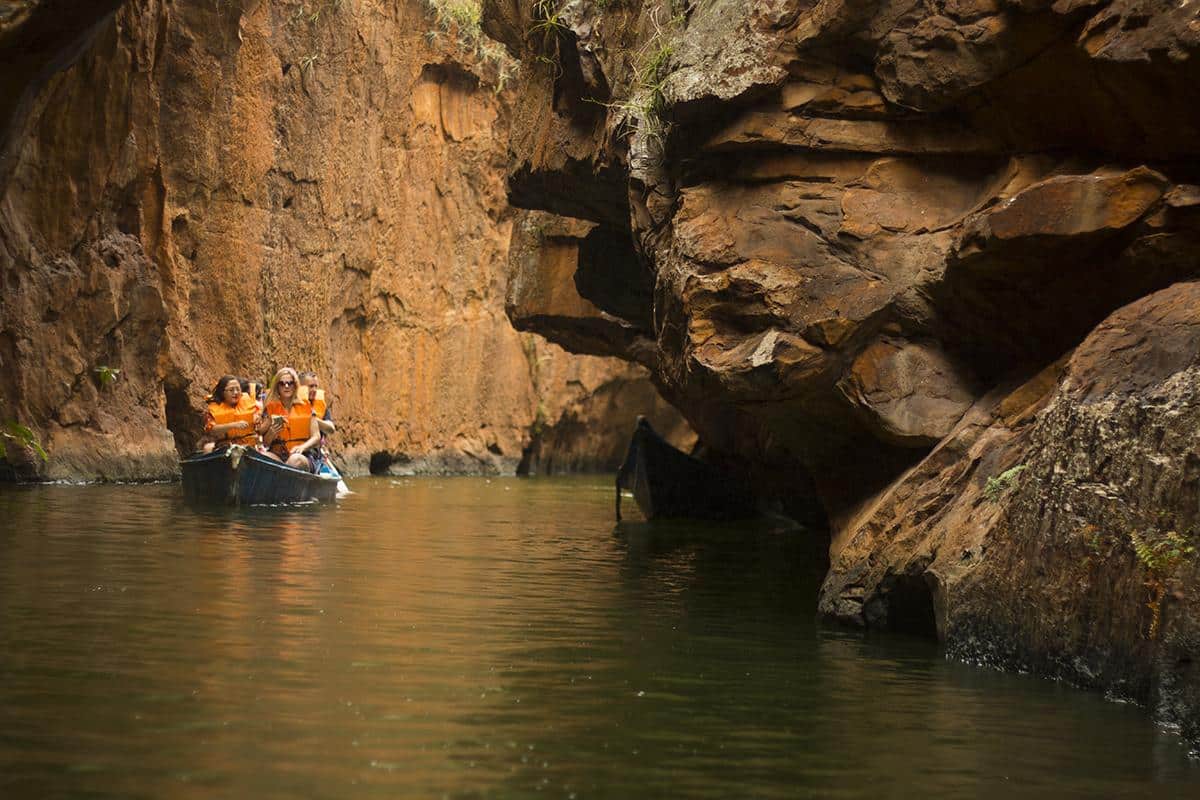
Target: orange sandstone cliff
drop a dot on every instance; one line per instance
(193, 188)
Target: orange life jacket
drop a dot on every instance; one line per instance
(317, 401)
(244, 411)
(254, 391)
(296, 424)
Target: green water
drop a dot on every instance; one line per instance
(502, 638)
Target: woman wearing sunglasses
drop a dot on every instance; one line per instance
(290, 433)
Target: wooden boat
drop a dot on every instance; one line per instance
(668, 483)
(239, 476)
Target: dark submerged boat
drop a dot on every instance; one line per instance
(237, 476)
(668, 483)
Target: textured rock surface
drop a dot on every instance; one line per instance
(1091, 529)
(193, 188)
(853, 228)
(591, 433)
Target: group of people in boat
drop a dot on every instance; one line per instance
(287, 422)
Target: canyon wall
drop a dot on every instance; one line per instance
(924, 263)
(194, 188)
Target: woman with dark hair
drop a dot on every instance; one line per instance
(230, 417)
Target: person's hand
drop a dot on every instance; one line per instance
(276, 424)
(241, 425)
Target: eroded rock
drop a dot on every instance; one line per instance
(1051, 530)
(804, 213)
(912, 394)
(543, 292)
(869, 223)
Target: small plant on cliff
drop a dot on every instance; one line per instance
(547, 15)
(540, 419)
(997, 485)
(533, 361)
(645, 106)
(462, 18)
(541, 415)
(465, 14)
(13, 433)
(312, 11)
(1159, 556)
(106, 375)
(543, 34)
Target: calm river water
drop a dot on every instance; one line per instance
(471, 638)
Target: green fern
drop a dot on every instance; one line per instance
(1160, 556)
(997, 485)
(13, 431)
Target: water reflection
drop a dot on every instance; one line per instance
(470, 638)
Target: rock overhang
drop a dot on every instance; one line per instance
(818, 184)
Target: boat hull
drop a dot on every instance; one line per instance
(668, 483)
(248, 478)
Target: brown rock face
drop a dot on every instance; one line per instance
(865, 226)
(913, 392)
(1054, 528)
(199, 188)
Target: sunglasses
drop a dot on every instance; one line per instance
(287, 383)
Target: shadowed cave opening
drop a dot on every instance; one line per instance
(905, 605)
(910, 607)
(379, 463)
(611, 274)
(182, 420)
(382, 460)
